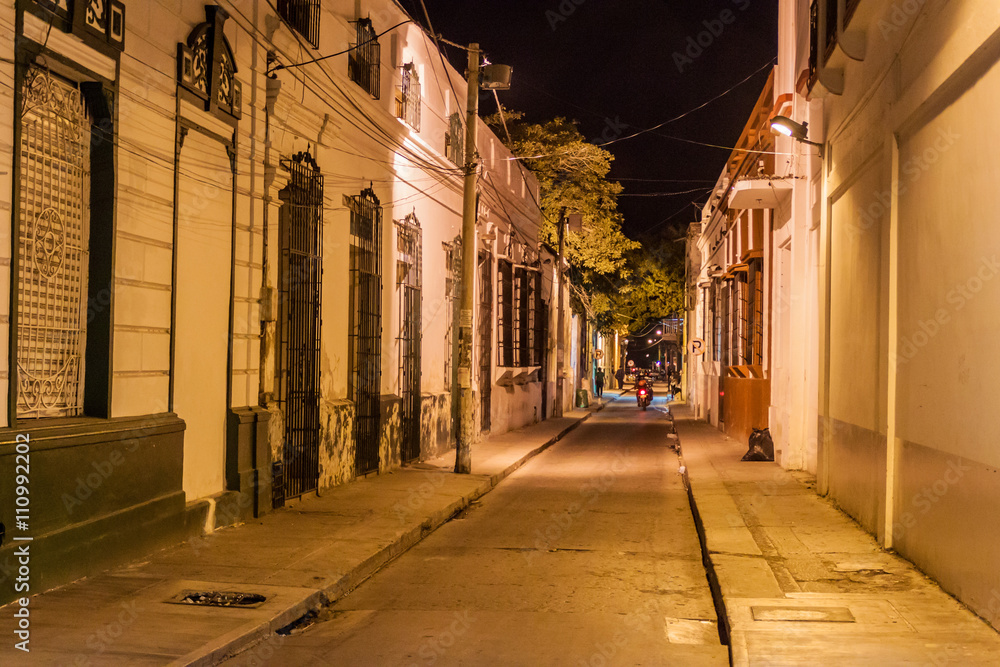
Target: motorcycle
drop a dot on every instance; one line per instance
(644, 396)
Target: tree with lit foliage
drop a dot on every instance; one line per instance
(618, 282)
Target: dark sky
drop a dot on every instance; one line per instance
(611, 63)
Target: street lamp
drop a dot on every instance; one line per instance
(798, 131)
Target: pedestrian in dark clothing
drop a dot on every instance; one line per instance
(599, 381)
(620, 376)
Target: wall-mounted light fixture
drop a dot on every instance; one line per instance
(798, 131)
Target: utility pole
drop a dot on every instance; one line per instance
(560, 322)
(466, 429)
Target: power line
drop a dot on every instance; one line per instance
(339, 53)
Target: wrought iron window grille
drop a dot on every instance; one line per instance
(506, 344)
(485, 323)
(300, 322)
(408, 97)
(365, 327)
(454, 140)
(538, 320)
(409, 248)
(365, 58)
(53, 247)
(303, 16)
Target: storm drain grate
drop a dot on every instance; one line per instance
(815, 614)
(219, 599)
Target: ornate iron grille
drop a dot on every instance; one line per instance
(724, 324)
(53, 247)
(522, 317)
(813, 42)
(303, 16)
(301, 232)
(831, 28)
(538, 328)
(716, 300)
(757, 311)
(365, 327)
(852, 6)
(505, 314)
(364, 63)
(485, 340)
(410, 248)
(454, 140)
(408, 97)
(745, 317)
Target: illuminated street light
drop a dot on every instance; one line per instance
(798, 131)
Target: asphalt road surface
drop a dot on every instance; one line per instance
(586, 556)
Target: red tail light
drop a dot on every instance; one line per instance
(642, 392)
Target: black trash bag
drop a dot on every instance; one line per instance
(761, 446)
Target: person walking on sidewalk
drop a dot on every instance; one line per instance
(599, 381)
(620, 376)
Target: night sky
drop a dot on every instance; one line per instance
(611, 64)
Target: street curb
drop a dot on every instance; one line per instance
(229, 645)
(718, 599)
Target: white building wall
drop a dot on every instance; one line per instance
(904, 298)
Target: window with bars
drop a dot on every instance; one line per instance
(715, 300)
(303, 16)
(364, 61)
(734, 323)
(755, 279)
(851, 7)
(522, 317)
(723, 314)
(538, 320)
(63, 247)
(300, 229)
(506, 344)
(813, 42)
(831, 28)
(408, 97)
(745, 323)
(454, 140)
(365, 327)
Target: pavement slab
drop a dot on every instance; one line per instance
(813, 587)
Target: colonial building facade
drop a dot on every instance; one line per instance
(883, 285)
(233, 268)
(730, 260)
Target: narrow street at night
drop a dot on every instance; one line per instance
(314, 313)
(588, 555)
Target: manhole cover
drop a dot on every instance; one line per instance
(820, 614)
(219, 599)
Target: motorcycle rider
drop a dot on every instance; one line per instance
(642, 383)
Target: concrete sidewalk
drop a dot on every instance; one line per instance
(801, 583)
(299, 558)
